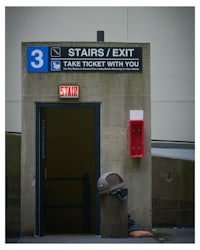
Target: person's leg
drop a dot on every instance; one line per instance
(135, 231)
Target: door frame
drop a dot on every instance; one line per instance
(39, 223)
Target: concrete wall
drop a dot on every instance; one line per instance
(118, 93)
(170, 30)
(13, 184)
(172, 192)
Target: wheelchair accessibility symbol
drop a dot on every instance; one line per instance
(55, 65)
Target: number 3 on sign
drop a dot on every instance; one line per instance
(37, 59)
(38, 54)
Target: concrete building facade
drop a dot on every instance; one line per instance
(84, 136)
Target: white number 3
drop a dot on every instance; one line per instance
(38, 60)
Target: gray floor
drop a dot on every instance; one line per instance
(161, 235)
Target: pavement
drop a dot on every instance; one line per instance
(161, 235)
(174, 235)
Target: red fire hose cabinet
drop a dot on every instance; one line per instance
(136, 138)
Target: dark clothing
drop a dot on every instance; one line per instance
(132, 225)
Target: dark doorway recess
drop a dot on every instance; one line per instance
(67, 168)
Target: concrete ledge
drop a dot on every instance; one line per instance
(174, 153)
(173, 150)
(172, 144)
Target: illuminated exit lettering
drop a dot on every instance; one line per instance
(69, 91)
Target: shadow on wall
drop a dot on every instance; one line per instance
(13, 175)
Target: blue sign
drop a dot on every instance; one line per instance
(37, 59)
(84, 59)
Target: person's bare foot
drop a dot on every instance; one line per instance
(139, 234)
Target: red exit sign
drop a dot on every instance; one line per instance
(69, 91)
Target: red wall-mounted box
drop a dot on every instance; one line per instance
(136, 138)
